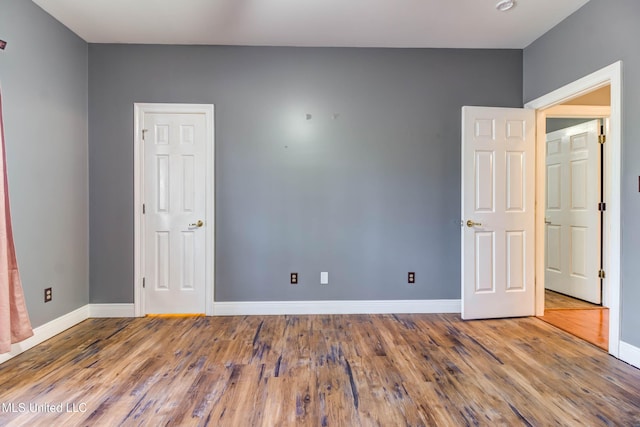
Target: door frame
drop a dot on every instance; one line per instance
(610, 75)
(139, 110)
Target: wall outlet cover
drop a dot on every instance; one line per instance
(294, 278)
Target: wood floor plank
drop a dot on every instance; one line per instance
(324, 370)
(592, 325)
(555, 301)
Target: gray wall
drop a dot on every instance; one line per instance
(598, 34)
(367, 197)
(44, 81)
(562, 123)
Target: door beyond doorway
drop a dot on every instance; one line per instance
(573, 229)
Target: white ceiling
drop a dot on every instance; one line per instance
(358, 23)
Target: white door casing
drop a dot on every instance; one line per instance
(174, 227)
(498, 183)
(572, 218)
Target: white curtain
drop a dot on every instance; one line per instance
(14, 319)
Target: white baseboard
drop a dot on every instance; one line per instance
(630, 354)
(242, 308)
(46, 331)
(111, 310)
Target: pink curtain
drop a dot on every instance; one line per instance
(14, 319)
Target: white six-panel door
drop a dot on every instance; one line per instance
(174, 194)
(572, 253)
(498, 194)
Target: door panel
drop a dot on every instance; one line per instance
(498, 200)
(573, 220)
(484, 181)
(484, 262)
(515, 260)
(515, 182)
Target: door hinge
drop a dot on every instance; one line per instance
(602, 139)
(601, 274)
(143, 132)
(144, 282)
(602, 206)
(144, 209)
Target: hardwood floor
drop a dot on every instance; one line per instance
(356, 370)
(580, 318)
(554, 300)
(592, 325)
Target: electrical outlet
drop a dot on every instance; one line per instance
(48, 295)
(411, 278)
(294, 278)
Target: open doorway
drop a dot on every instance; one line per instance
(575, 206)
(596, 96)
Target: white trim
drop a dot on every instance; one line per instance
(246, 308)
(610, 75)
(630, 354)
(138, 173)
(111, 310)
(138, 224)
(48, 330)
(578, 111)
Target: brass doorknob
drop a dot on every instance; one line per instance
(472, 224)
(197, 224)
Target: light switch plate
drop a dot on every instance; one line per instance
(324, 278)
